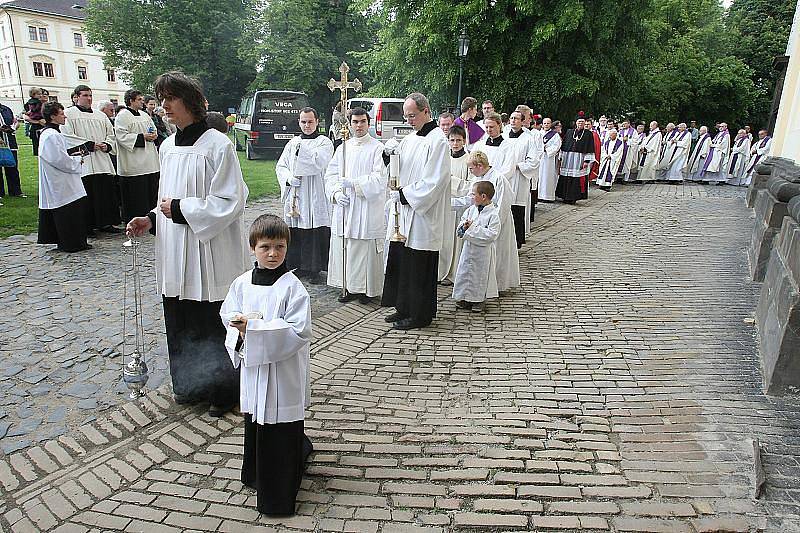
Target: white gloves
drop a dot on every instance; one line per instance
(391, 146)
(342, 200)
(347, 183)
(394, 196)
(294, 181)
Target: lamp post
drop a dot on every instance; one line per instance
(463, 48)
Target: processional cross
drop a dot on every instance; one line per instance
(343, 85)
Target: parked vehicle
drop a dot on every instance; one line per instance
(266, 121)
(385, 116)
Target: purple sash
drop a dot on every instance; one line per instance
(757, 158)
(697, 149)
(549, 135)
(710, 155)
(474, 132)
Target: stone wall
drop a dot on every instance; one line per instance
(777, 235)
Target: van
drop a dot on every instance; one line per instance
(385, 116)
(266, 121)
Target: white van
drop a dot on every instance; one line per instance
(385, 116)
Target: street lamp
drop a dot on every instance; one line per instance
(463, 48)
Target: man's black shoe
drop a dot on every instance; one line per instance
(409, 323)
(394, 317)
(219, 410)
(364, 299)
(348, 297)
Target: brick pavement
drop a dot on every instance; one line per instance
(617, 390)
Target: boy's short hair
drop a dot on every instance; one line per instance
(216, 120)
(479, 158)
(468, 103)
(457, 130)
(268, 227)
(358, 112)
(484, 187)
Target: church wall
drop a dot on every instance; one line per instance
(786, 141)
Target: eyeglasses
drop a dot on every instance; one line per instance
(410, 116)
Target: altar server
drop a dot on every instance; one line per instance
(199, 244)
(491, 144)
(548, 168)
(137, 157)
(268, 316)
(758, 152)
(62, 197)
(611, 160)
(649, 152)
(97, 171)
(714, 170)
(523, 154)
(358, 196)
(460, 183)
(677, 154)
(422, 199)
(301, 176)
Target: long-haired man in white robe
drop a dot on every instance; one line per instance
(649, 152)
(737, 164)
(423, 198)
(358, 195)
(714, 170)
(199, 244)
(677, 154)
(306, 207)
(548, 168)
(758, 152)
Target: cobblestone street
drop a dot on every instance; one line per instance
(618, 389)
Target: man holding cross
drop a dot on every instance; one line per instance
(301, 171)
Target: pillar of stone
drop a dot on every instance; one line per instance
(761, 174)
(778, 312)
(771, 207)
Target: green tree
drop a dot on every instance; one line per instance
(555, 56)
(299, 44)
(760, 31)
(145, 38)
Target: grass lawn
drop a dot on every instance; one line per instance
(20, 216)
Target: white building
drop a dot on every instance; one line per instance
(43, 44)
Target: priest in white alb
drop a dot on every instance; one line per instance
(634, 144)
(697, 160)
(523, 154)
(677, 153)
(97, 171)
(548, 168)
(714, 170)
(137, 157)
(737, 164)
(758, 152)
(626, 133)
(357, 194)
(649, 152)
(664, 157)
(612, 153)
(200, 245)
(422, 198)
(306, 207)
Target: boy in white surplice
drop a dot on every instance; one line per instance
(268, 317)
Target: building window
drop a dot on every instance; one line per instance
(78, 40)
(82, 74)
(2, 71)
(52, 98)
(10, 75)
(43, 70)
(3, 30)
(43, 35)
(37, 34)
(112, 76)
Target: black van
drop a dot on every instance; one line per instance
(266, 121)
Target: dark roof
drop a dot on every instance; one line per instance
(63, 8)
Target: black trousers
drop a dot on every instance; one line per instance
(64, 226)
(518, 214)
(12, 177)
(534, 201)
(410, 282)
(198, 362)
(33, 133)
(102, 204)
(136, 196)
(309, 249)
(273, 463)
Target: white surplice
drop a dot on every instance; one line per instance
(759, 151)
(664, 156)
(714, 168)
(476, 278)
(95, 127)
(523, 155)
(628, 155)
(652, 146)
(737, 163)
(361, 223)
(59, 174)
(425, 183)
(274, 382)
(635, 142)
(495, 154)
(306, 159)
(460, 185)
(508, 276)
(698, 159)
(678, 154)
(611, 161)
(199, 260)
(548, 170)
(133, 160)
